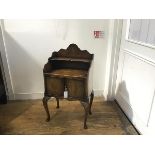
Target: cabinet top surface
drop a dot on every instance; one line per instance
(68, 73)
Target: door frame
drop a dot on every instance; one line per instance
(5, 65)
(115, 35)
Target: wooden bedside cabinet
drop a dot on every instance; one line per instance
(69, 70)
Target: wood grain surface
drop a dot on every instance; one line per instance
(28, 118)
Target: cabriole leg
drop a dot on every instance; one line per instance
(91, 101)
(86, 108)
(57, 103)
(45, 100)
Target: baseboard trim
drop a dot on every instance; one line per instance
(26, 96)
(98, 93)
(139, 124)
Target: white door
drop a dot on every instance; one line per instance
(135, 85)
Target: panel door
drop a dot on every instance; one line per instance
(135, 85)
(54, 86)
(76, 88)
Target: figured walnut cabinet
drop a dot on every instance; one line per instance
(69, 70)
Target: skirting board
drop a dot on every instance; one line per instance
(27, 96)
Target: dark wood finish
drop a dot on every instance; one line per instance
(45, 99)
(54, 87)
(76, 89)
(86, 108)
(57, 103)
(69, 69)
(91, 101)
(68, 73)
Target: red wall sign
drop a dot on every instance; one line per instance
(98, 34)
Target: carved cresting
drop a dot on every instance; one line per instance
(73, 51)
(69, 69)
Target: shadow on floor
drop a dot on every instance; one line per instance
(11, 111)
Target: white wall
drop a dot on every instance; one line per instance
(29, 43)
